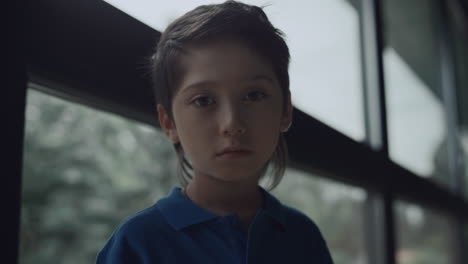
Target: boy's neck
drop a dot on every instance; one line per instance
(224, 198)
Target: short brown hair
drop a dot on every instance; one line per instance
(206, 23)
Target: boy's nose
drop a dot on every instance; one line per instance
(234, 132)
(232, 121)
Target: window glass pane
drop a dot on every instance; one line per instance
(84, 171)
(416, 122)
(423, 236)
(323, 37)
(336, 208)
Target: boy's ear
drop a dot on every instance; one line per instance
(287, 117)
(167, 125)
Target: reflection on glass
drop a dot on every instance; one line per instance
(416, 122)
(337, 209)
(84, 171)
(423, 236)
(323, 37)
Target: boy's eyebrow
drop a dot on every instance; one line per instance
(208, 83)
(198, 85)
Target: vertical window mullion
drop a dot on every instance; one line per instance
(16, 80)
(448, 95)
(375, 130)
(448, 84)
(379, 206)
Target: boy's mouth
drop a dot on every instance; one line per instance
(234, 151)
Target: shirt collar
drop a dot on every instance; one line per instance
(180, 212)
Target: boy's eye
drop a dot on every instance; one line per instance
(256, 96)
(202, 101)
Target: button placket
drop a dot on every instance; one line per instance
(236, 236)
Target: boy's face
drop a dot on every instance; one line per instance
(228, 97)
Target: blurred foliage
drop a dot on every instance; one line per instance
(423, 236)
(85, 171)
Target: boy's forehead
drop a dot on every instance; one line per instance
(210, 83)
(210, 63)
(222, 51)
(235, 67)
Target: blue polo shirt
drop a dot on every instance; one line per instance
(175, 230)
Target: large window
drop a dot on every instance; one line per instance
(323, 37)
(86, 170)
(417, 134)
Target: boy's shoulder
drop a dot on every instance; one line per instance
(297, 220)
(136, 237)
(303, 229)
(292, 218)
(146, 221)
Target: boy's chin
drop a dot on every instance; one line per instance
(238, 176)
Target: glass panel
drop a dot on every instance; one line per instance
(337, 209)
(416, 122)
(423, 236)
(84, 171)
(323, 37)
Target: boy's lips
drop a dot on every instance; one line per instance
(234, 150)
